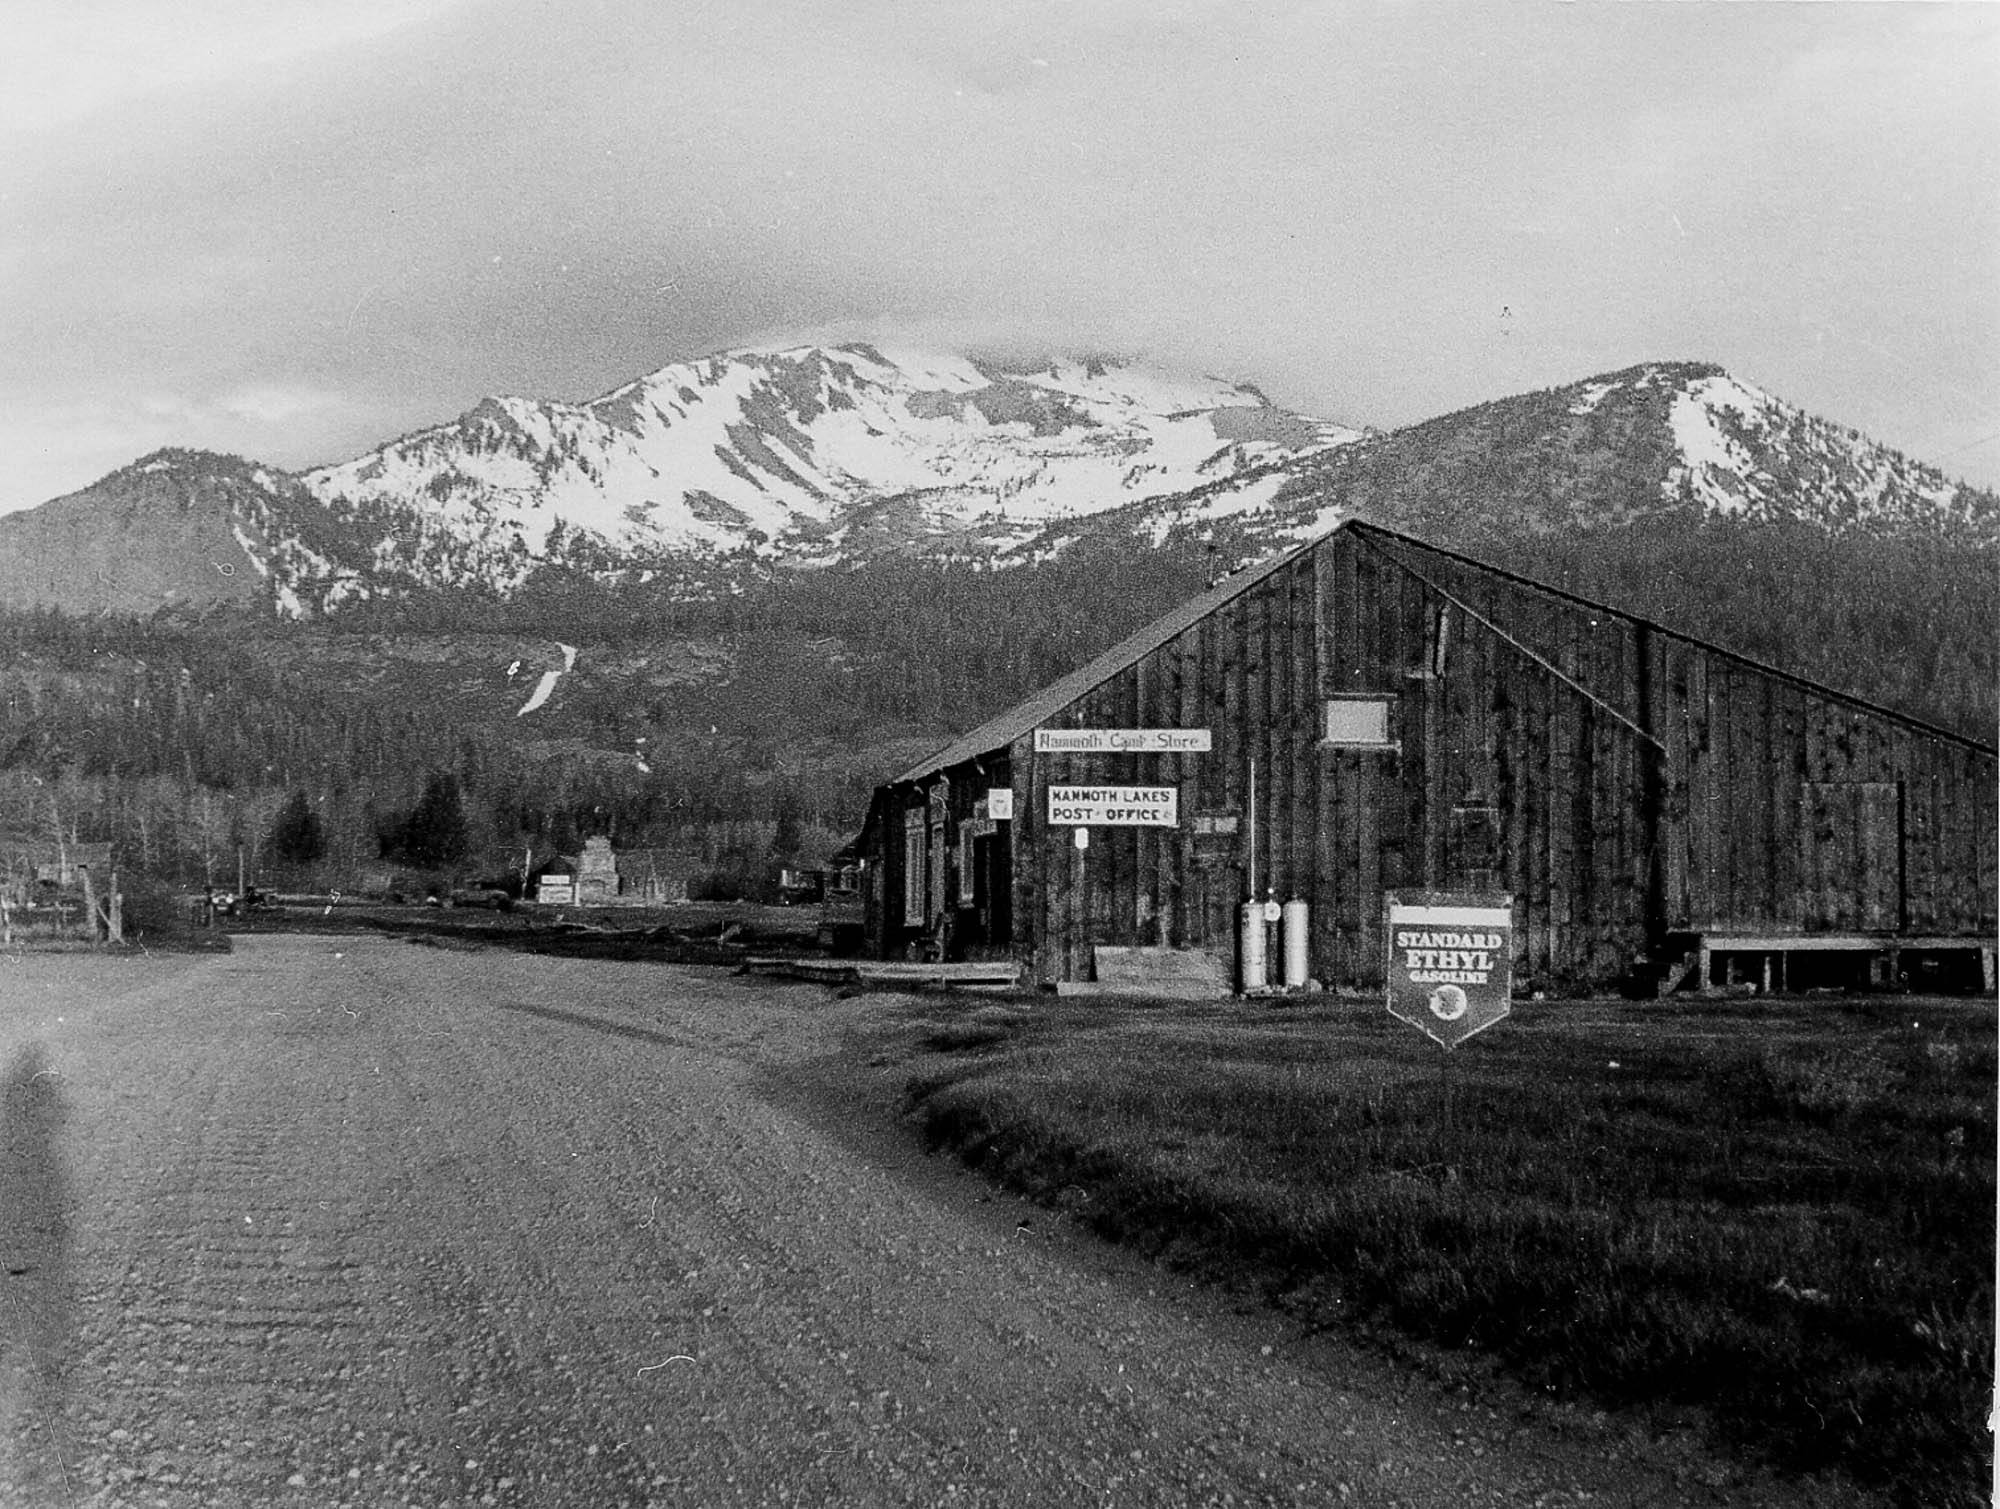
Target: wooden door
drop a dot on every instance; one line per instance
(1851, 840)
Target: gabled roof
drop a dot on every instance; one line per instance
(1025, 717)
(1374, 534)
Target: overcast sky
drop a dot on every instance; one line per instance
(293, 229)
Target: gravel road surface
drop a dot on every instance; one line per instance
(355, 1221)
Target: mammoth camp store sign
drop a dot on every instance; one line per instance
(1451, 962)
(1115, 806)
(1123, 741)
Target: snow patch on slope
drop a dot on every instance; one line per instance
(1586, 402)
(545, 688)
(249, 547)
(1713, 462)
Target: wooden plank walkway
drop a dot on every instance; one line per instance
(989, 975)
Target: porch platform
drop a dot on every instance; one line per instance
(1711, 963)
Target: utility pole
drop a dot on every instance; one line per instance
(62, 843)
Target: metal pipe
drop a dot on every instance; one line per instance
(1251, 878)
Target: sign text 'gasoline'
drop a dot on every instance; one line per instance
(1450, 962)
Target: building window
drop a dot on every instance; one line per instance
(913, 867)
(1474, 861)
(1358, 723)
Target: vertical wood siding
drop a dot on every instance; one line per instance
(1621, 782)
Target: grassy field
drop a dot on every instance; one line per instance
(1781, 1214)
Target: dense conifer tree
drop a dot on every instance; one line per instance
(296, 837)
(435, 832)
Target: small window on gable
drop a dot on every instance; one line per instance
(1359, 723)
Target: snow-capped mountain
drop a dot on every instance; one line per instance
(812, 456)
(1653, 442)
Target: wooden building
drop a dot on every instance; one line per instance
(28, 863)
(1383, 715)
(596, 872)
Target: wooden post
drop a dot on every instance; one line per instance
(1654, 776)
(89, 906)
(115, 915)
(1433, 834)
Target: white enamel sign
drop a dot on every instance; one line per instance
(1122, 741)
(1451, 963)
(1115, 806)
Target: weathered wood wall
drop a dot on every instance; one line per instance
(1250, 673)
(1782, 809)
(1622, 782)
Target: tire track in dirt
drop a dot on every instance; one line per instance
(36, 1304)
(242, 1301)
(355, 1222)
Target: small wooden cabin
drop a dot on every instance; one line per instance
(1367, 714)
(28, 863)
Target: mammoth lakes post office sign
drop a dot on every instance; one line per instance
(1451, 962)
(1118, 806)
(1114, 806)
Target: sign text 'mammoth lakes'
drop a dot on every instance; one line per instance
(1115, 806)
(1122, 741)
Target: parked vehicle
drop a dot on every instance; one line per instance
(801, 887)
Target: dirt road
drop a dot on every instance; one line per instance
(337, 1221)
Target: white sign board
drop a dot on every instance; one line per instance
(1451, 962)
(1115, 806)
(1000, 804)
(1122, 741)
(556, 893)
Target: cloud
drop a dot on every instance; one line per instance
(274, 404)
(64, 59)
(55, 446)
(294, 234)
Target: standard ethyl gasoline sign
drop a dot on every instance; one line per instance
(1115, 806)
(1451, 962)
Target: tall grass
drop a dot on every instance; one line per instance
(1781, 1214)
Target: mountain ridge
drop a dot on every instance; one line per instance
(774, 458)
